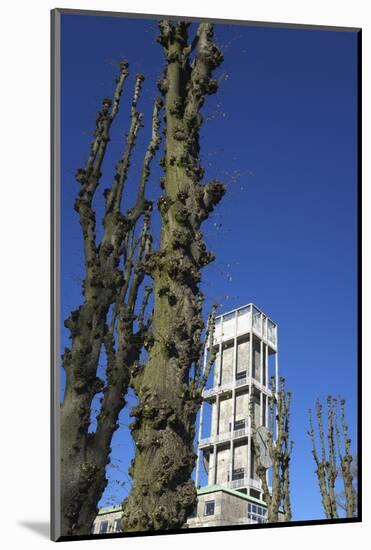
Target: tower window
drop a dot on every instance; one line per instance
(209, 508)
(238, 473)
(116, 526)
(228, 317)
(193, 514)
(103, 528)
(239, 424)
(256, 514)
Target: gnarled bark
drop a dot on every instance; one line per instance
(280, 447)
(346, 463)
(113, 274)
(169, 387)
(327, 466)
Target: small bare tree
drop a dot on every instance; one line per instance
(278, 500)
(108, 317)
(327, 464)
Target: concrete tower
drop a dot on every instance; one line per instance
(247, 356)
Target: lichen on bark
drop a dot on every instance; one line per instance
(169, 393)
(114, 272)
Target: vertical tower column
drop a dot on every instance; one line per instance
(216, 432)
(234, 374)
(276, 376)
(200, 427)
(249, 447)
(261, 381)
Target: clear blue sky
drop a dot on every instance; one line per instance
(281, 133)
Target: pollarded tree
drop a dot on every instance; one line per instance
(279, 449)
(169, 386)
(108, 317)
(327, 467)
(348, 462)
(341, 496)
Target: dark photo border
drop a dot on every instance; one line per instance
(55, 270)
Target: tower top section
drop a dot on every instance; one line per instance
(245, 319)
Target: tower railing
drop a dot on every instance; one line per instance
(225, 436)
(217, 389)
(210, 392)
(245, 482)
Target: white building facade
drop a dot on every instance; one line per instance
(245, 342)
(107, 521)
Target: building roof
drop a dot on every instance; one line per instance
(109, 509)
(215, 488)
(243, 307)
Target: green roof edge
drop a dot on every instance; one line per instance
(201, 491)
(215, 488)
(109, 509)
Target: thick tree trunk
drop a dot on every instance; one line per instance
(77, 469)
(84, 454)
(86, 480)
(87, 329)
(163, 493)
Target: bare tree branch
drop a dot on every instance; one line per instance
(153, 146)
(327, 468)
(163, 492)
(105, 318)
(280, 449)
(208, 342)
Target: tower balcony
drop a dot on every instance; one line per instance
(241, 383)
(224, 437)
(217, 390)
(245, 482)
